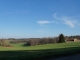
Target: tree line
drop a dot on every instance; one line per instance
(59, 39)
(4, 44)
(38, 41)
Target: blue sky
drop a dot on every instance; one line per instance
(39, 18)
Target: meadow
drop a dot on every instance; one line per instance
(40, 52)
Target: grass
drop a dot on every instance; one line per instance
(20, 46)
(39, 52)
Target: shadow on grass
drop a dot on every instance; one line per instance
(38, 54)
(25, 45)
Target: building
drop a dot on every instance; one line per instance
(76, 40)
(72, 40)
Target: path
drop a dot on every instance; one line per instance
(73, 57)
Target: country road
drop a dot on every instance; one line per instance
(73, 57)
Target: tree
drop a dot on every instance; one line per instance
(61, 38)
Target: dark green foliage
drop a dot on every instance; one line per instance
(41, 41)
(61, 38)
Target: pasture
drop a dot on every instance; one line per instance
(39, 52)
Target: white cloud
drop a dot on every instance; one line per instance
(66, 20)
(69, 22)
(43, 22)
(55, 15)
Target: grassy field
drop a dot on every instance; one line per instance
(39, 52)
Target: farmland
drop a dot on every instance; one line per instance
(45, 51)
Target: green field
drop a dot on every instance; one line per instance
(39, 52)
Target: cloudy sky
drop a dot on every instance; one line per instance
(39, 18)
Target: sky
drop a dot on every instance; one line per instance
(39, 18)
